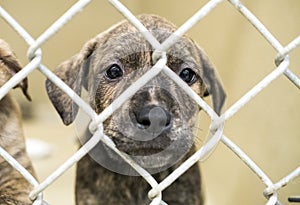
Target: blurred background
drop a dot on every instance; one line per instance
(267, 128)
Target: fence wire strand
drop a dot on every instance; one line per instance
(217, 122)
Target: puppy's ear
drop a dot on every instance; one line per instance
(213, 84)
(73, 72)
(9, 66)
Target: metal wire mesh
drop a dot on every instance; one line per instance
(217, 122)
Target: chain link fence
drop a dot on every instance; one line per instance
(216, 134)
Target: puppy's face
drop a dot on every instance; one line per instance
(158, 120)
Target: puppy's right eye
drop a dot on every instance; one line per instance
(114, 72)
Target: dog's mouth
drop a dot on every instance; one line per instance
(154, 155)
(142, 148)
(142, 151)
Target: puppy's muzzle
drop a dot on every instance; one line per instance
(153, 119)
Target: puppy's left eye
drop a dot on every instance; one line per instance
(188, 75)
(114, 72)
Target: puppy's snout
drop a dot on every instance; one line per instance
(154, 119)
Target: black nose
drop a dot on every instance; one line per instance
(153, 118)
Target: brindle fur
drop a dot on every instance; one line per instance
(123, 45)
(14, 189)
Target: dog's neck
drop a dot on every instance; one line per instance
(98, 185)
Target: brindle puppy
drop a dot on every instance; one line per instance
(155, 127)
(14, 189)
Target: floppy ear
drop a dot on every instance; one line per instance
(213, 84)
(73, 72)
(9, 66)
